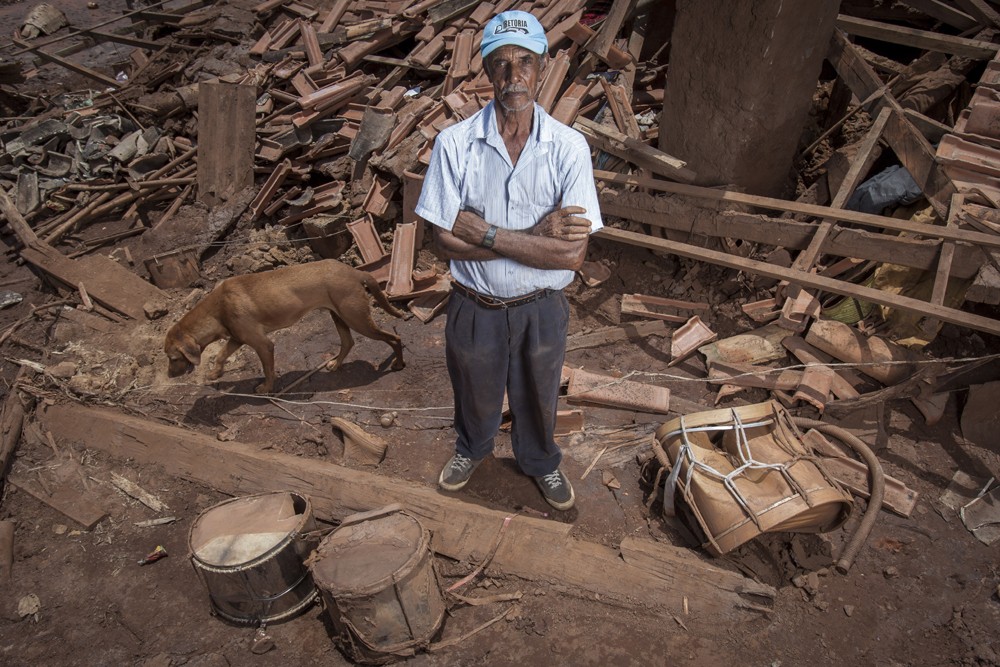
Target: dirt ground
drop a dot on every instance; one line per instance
(923, 591)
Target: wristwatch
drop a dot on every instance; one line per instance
(489, 238)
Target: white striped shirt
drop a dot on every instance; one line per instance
(471, 170)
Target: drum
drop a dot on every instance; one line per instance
(376, 576)
(249, 553)
(745, 471)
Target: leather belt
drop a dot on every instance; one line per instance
(496, 303)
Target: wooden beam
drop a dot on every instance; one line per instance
(866, 219)
(621, 145)
(943, 12)
(921, 39)
(107, 282)
(227, 134)
(807, 280)
(981, 11)
(533, 549)
(947, 254)
(860, 165)
(69, 64)
(22, 230)
(793, 235)
(620, 10)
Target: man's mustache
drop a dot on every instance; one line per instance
(514, 89)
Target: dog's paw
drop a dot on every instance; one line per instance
(264, 388)
(398, 365)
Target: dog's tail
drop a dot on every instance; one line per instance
(380, 298)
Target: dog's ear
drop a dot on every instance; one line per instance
(189, 348)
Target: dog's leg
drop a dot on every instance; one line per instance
(264, 348)
(346, 342)
(364, 325)
(220, 361)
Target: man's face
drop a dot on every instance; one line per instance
(515, 73)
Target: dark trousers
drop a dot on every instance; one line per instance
(520, 349)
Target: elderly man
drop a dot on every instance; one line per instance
(511, 194)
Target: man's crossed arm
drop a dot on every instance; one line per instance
(558, 241)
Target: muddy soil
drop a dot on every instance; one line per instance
(923, 591)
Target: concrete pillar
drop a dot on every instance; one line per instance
(739, 86)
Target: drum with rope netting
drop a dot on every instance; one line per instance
(744, 471)
(250, 554)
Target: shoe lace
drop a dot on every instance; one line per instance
(553, 479)
(461, 464)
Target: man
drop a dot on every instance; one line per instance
(511, 194)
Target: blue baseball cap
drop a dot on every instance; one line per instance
(514, 27)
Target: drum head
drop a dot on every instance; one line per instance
(363, 556)
(238, 531)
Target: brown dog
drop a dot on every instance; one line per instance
(244, 309)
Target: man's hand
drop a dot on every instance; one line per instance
(470, 228)
(562, 224)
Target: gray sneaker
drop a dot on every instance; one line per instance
(456, 472)
(557, 490)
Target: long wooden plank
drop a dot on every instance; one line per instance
(22, 230)
(866, 219)
(860, 165)
(943, 12)
(107, 282)
(807, 280)
(69, 64)
(982, 11)
(921, 39)
(532, 548)
(620, 10)
(947, 254)
(64, 499)
(633, 150)
(918, 156)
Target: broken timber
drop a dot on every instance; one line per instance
(533, 549)
(807, 280)
(792, 235)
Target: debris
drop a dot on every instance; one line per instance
(980, 418)
(891, 572)
(153, 556)
(849, 609)
(155, 522)
(132, 489)
(878, 358)
(962, 490)
(609, 480)
(387, 419)
(615, 392)
(753, 347)
(262, 642)
(688, 338)
(8, 299)
(853, 475)
(982, 515)
(658, 307)
(29, 605)
(359, 445)
(43, 19)
(594, 274)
